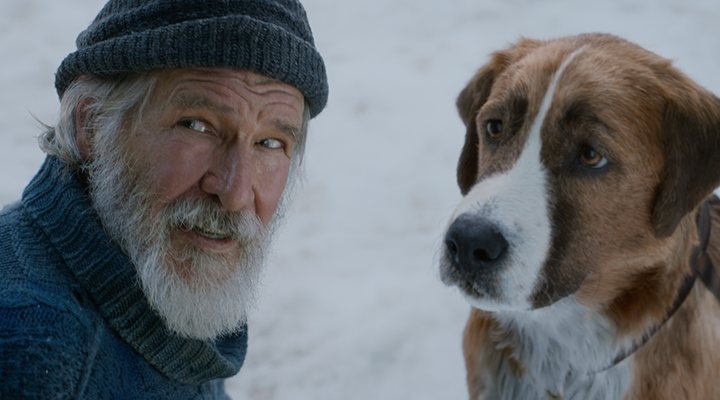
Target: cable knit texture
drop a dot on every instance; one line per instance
(272, 37)
(74, 324)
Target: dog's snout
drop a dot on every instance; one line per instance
(472, 242)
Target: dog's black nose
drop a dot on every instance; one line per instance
(472, 242)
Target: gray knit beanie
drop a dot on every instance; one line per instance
(271, 37)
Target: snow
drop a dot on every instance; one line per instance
(352, 306)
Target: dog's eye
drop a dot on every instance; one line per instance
(493, 128)
(590, 158)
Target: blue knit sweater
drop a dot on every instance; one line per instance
(74, 324)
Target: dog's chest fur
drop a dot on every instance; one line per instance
(554, 349)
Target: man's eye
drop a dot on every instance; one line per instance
(271, 143)
(195, 125)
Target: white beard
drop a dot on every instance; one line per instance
(198, 294)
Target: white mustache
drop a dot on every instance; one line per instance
(207, 216)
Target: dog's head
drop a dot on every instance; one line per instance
(583, 160)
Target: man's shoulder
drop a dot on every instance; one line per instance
(9, 217)
(42, 324)
(38, 299)
(45, 345)
(15, 224)
(35, 292)
(30, 266)
(27, 315)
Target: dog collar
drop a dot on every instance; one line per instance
(700, 267)
(701, 263)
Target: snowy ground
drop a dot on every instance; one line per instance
(352, 307)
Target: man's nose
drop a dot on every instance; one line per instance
(231, 179)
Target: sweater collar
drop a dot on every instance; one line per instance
(57, 199)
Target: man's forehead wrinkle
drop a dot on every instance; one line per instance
(248, 77)
(185, 95)
(252, 82)
(190, 99)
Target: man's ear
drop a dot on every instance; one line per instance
(691, 132)
(83, 127)
(471, 100)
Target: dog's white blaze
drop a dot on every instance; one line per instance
(517, 203)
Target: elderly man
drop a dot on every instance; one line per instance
(127, 267)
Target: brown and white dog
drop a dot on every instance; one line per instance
(580, 236)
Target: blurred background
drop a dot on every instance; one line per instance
(352, 306)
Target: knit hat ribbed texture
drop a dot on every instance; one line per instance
(271, 37)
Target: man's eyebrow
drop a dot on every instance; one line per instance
(191, 100)
(288, 128)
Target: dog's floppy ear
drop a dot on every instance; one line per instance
(469, 102)
(691, 132)
(472, 98)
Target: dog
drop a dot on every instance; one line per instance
(587, 221)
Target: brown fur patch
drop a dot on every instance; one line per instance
(680, 361)
(481, 353)
(640, 299)
(475, 343)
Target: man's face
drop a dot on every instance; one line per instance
(225, 135)
(191, 187)
(222, 135)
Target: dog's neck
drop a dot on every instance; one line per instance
(700, 266)
(557, 347)
(704, 267)
(566, 349)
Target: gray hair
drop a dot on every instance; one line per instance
(112, 104)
